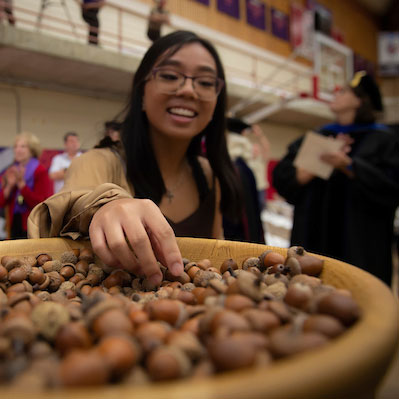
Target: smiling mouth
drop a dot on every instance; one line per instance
(188, 113)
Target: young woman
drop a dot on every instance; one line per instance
(133, 203)
(24, 184)
(350, 215)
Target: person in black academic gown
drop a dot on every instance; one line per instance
(349, 216)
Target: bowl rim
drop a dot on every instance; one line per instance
(353, 363)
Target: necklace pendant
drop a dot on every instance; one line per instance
(169, 195)
(20, 199)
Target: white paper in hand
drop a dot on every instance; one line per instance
(308, 156)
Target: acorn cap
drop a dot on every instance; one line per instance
(364, 84)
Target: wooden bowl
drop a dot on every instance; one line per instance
(351, 366)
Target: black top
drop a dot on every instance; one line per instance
(200, 223)
(344, 218)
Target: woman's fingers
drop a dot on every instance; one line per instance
(167, 252)
(107, 248)
(161, 239)
(133, 234)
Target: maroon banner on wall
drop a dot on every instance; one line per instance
(280, 24)
(229, 7)
(204, 2)
(256, 13)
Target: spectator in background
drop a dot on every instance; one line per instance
(112, 135)
(258, 161)
(241, 150)
(6, 8)
(253, 146)
(350, 215)
(60, 163)
(113, 130)
(159, 16)
(23, 185)
(90, 9)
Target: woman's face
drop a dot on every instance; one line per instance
(345, 100)
(181, 115)
(22, 151)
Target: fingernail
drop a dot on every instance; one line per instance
(155, 279)
(176, 269)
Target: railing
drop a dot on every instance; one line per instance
(123, 30)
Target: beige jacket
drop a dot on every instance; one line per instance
(97, 177)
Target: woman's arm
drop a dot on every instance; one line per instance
(92, 180)
(97, 202)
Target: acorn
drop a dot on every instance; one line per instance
(228, 320)
(3, 273)
(231, 352)
(43, 258)
(168, 362)
(87, 255)
(249, 262)
(343, 307)
(325, 324)
(237, 302)
(120, 352)
(49, 317)
(52, 266)
(36, 276)
(82, 266)
(18, 328)
(204, 264)
(228, 264)
(17, 275)
(112, 321)
(170, 310)
(188, 342)
(68, 257)
(152, 334)
(72, 335)
(286, 341)
(270, 258)
(298, 295)
(261, 320)
(191, 269)
(83, 367)
(310, 264)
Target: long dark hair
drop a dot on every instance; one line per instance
(142, 167)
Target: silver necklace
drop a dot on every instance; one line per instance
(170, 191)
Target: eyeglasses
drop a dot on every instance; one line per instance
(169, 82)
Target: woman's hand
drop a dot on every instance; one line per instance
(339, 160)
(133, 234)
(10, 177)
(303, 176)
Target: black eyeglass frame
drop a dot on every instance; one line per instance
(219, 88)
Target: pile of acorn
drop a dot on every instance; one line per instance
(73, 322)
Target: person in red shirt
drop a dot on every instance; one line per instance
(24, 184)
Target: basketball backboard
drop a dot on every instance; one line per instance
(333, 66)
